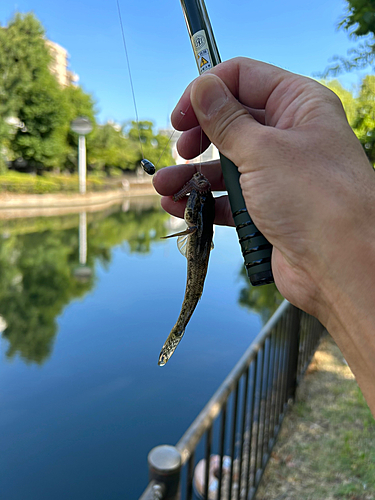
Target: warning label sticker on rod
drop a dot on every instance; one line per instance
(202, 51)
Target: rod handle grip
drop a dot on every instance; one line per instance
(256, 250)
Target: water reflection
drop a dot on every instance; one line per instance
(45, 263)
(263, 300)
(82, 272)
(94, 410)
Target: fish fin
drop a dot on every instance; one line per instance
(212, 245)
(182, 244)
(188, 230)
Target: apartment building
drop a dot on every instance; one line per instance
(60, 63)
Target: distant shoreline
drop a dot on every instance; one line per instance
(28, 205)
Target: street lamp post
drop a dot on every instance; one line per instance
(81, 126)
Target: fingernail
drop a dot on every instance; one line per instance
(209, 94)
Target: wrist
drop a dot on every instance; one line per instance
(347, 308)
(346, 269)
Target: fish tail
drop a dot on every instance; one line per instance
(170, 345)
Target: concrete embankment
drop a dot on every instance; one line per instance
(28, 205)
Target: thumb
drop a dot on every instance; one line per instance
(225, 121)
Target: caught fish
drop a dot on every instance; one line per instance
(195, 244)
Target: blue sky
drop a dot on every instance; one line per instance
(296, 35)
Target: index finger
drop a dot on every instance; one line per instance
(169, 180)
(251, 82)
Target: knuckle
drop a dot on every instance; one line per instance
(229, 126)
(327, 95)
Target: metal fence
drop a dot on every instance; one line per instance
(224, 452)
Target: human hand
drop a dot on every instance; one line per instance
(306, 181)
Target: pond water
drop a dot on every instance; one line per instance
(83, 399)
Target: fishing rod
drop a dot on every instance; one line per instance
(256, 250)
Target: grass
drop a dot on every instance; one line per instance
(20, 183)
(326, 448)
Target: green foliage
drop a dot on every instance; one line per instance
(347, 98)
(359, 22)
(23, 58)
(360, 111)
(364, 124)
(109, 148)
(154, 147)
(36, 112)
(15, 182)
(30, 93)
(113, 147)
(40, 142)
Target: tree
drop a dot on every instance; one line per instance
(40, 141)
(32, 98)
(347, 98)
(364, 123)
(109, 148)
(4, 139)
(123, 147)
(154, 147)
(41, 112)
(359, 22)
(361, 17)
(23, 56)
(30, 93)
(360, 111)
(19, 64)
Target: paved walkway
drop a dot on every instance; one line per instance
(11, 200)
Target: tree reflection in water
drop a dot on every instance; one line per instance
(261, 299)
(38, 259)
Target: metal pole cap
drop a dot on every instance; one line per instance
(164, 459)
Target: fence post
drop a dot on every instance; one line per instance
(293, 353)
(164, 465)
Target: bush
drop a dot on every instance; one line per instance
(15, 182)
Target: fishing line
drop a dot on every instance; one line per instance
(200, 152)
(170, 138)
(148, 167)
(172, 134)
(146, 164)
(130, 75)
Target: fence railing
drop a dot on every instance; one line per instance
(224, 452)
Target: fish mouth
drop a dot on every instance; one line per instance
(200, 182)
(197, 182)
